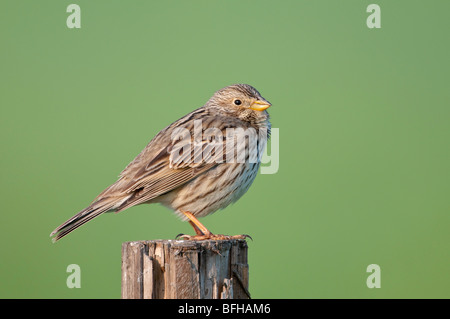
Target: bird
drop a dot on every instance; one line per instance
(196, 166)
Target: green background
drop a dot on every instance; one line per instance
(363, 116)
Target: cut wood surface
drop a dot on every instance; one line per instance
(183, 269)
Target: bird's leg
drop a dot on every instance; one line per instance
(195, 222)
(197, 230)
(203, 233)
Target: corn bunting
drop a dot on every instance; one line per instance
(197, 165)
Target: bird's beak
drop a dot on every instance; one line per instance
(260, 105)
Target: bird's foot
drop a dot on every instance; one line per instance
(203, 233)
(211, 236)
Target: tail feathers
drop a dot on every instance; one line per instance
(94, 210)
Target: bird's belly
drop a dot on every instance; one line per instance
(213, 190)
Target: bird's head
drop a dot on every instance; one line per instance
(241, 99)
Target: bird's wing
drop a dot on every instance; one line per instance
(169, 161)
(158, 177)
(176, 155)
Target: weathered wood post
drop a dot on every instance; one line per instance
(183, 269)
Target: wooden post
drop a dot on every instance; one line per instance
(183, 269)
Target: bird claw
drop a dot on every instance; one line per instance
(183, 236)
(212, 237)
(226, 237)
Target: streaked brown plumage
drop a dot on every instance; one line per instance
(184, 174)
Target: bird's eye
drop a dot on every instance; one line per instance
(237, 102)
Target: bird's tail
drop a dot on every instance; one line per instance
(95, 209)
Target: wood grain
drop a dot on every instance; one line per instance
(182, 269)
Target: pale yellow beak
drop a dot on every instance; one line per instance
(260, 105)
